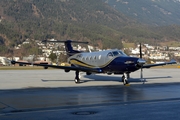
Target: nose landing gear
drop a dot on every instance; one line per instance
(125, 78)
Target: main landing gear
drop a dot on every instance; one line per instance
(77, 77)
(125, 78)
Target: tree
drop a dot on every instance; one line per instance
(53, 57)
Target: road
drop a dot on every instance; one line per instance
(52, 94)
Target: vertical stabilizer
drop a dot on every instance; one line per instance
(68, 46)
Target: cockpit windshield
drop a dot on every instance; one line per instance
(115, 53)
(122, 53)
(118, 53)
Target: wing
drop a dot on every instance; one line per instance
(74, 68)
(158, 64)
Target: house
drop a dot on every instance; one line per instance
(4, 61)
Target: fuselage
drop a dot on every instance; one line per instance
(109, 61)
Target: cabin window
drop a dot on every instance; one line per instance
(95, 57)
(109, 55)
(83, 58)
(86, 58)
(79, 56)
(90, 58)
(99, 57)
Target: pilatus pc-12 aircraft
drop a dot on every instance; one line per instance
(108, 61)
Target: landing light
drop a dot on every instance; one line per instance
(141, 61)
(129, 62)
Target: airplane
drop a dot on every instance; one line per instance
(112, 61)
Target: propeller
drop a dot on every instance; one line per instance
(140, 50)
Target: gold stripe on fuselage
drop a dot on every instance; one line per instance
(80, 63)
(76, 62)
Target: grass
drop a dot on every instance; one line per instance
(171, 44)
(129, 45)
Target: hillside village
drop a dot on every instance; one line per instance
(153, 54)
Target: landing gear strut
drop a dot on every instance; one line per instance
(77, 79)
(125, 78)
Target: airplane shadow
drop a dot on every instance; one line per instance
(43, 80)
(118, 78)
(109, 78)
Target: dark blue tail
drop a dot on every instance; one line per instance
(69, 48)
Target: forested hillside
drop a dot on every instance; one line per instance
(74, 19)
(83, 20)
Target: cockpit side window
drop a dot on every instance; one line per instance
(115, 53)
(122, 53)
(109, 55)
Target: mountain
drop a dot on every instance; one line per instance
(84, 20)
(152, 12)
(61, 19)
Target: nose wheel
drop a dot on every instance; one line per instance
(125, 78)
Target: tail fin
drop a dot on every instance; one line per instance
(68, 46)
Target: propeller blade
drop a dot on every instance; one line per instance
(140, 50)
(141, 73)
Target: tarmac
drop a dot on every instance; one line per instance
(52, 94)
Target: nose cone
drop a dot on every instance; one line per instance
(141, 61)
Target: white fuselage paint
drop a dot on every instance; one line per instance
(94, 59)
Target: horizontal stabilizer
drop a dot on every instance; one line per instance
(63, 41)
